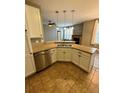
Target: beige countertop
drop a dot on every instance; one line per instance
(37, 47)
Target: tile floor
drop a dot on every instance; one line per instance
(64, 78)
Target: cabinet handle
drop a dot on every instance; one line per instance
(31, 53)
(64, 52)
(79, 55)
(79, 52)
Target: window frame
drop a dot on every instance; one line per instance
(95, 30)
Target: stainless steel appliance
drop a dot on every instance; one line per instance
(42, 60)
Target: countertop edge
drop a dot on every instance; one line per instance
(73, 47)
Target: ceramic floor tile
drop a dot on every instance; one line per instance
(63, 77)
(36, 89)
(95, 79)
(93, 88)
(27, 85)
(87, 76)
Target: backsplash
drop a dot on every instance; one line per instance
(78, 28)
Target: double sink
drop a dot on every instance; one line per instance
(64, 45)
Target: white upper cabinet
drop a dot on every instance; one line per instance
(33, 21)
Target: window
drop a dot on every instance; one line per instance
(68, 33)
(65, 33)
(95, 36)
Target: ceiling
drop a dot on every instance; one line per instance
(84, 10)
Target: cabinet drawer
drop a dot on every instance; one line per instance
(83, 54)
(67, 49)
(80, 52)
(63, 50)
(59, 49)
(75, 50)
(86, 54)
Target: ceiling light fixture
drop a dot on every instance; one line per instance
(50, 23)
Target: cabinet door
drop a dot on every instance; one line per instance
(29, 60)
(53, 54)
(75, 58)
(67, 56)
(60, 56)
(29, 65)
(84, 62)
(53, 57)
(33, 19)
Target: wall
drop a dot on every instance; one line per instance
(50, 33)
(87, 32)
(78, 28)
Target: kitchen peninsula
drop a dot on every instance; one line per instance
(80, 55)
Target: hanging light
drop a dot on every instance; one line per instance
(64, 11)
(64, 28)
(50, 23)
(72, 18)
(57, 28)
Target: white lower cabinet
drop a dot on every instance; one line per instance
(84, 63)
(82, 59)
(60, 56)
(53, 55)
(67, 56)
(75, 58)
(63, 54)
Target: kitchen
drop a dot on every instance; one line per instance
(57, 62)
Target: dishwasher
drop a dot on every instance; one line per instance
(42, 60)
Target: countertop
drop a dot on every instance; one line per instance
(37, 47)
